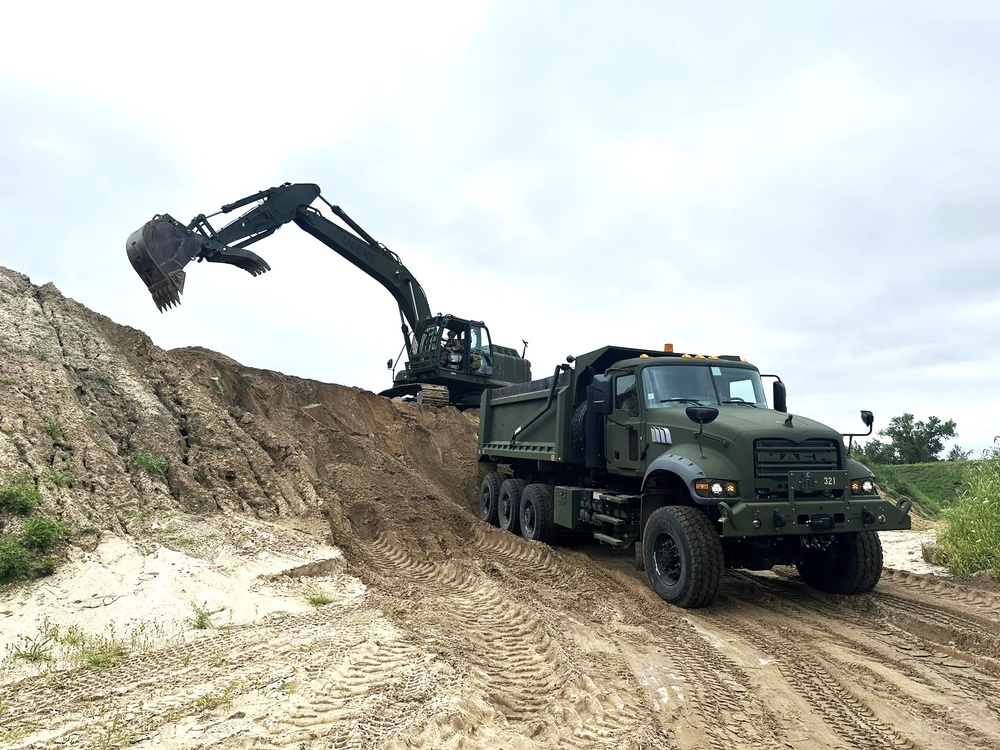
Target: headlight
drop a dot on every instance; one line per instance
(863, 486)
(716, 488)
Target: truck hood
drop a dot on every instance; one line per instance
(743, 422)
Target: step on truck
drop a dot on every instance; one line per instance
(681, 456)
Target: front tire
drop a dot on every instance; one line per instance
(852, 564)
(683, 556)
(536, 513)
(509, 508)
(489, 497)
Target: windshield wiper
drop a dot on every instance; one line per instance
(681, 401)
(739, 401)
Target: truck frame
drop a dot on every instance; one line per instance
(680, 456)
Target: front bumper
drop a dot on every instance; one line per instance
(767, 518)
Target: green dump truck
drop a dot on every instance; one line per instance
(681, 456)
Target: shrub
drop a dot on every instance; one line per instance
(318, 598)
(41, 532)
(19, 496)
(60, 477)
(971, 540)
(52, 427)
(151, 464)
(13, 558)
(202, 618)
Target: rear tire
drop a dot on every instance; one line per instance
(489, 497)
(852, 564)
(536, 513)
(509, 508)
(683, 556)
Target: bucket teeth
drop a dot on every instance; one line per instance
(167, 293)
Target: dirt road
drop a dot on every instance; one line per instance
(459, 635)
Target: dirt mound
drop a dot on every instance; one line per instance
(309, 570)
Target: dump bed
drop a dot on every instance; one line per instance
(528, 420)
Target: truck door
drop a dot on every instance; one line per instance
(624, 427)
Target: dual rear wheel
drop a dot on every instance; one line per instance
(517, 507)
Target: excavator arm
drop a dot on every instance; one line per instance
(162, 247)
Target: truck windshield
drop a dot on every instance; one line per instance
(709, 384)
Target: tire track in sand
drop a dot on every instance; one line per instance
(511, 651)
(674, 664)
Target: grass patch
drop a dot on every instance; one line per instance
(13, 558)
(212, 701)
(42, 532)
(934, 486)
(318, 598)
(971, 541)
(35, 649)
(55, 648)
(151, 464)
(52, 426)
(60, 477)
(19, 496)
(202, 618)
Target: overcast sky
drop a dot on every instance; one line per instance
(814, 186)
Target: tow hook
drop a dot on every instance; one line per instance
(904, 504)
(727, 514)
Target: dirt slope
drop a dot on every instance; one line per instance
(437, 630)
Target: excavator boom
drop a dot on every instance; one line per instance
(161, 249)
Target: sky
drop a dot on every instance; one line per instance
(812, 186)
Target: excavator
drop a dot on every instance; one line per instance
(449, 360)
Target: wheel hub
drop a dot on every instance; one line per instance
(667, 559)
(529, 518)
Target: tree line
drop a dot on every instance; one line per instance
(910, 441)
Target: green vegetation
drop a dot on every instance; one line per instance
(74, 648)
(202, 619)
(19, 495)
(60, 477)
(909, 441)
(151, 464)
(13, 558)
(971, 541)
(318, 598)
(933, 486)
(42, 532)
(36, 648)
(211, 701)
(25, 545)
(52, 427)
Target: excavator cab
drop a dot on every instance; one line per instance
(456, 346)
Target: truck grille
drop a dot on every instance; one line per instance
(774, 458)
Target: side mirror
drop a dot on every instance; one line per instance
(388, 365)
(868, 418)
(702, 415)
(780, 397)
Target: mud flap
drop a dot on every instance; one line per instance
(640, 562)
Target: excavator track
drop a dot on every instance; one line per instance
(433, 395)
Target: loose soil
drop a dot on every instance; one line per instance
(311, 572)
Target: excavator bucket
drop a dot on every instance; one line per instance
(159, 250)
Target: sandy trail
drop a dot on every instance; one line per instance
(465, 636)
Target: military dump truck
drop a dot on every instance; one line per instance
(681, 456)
